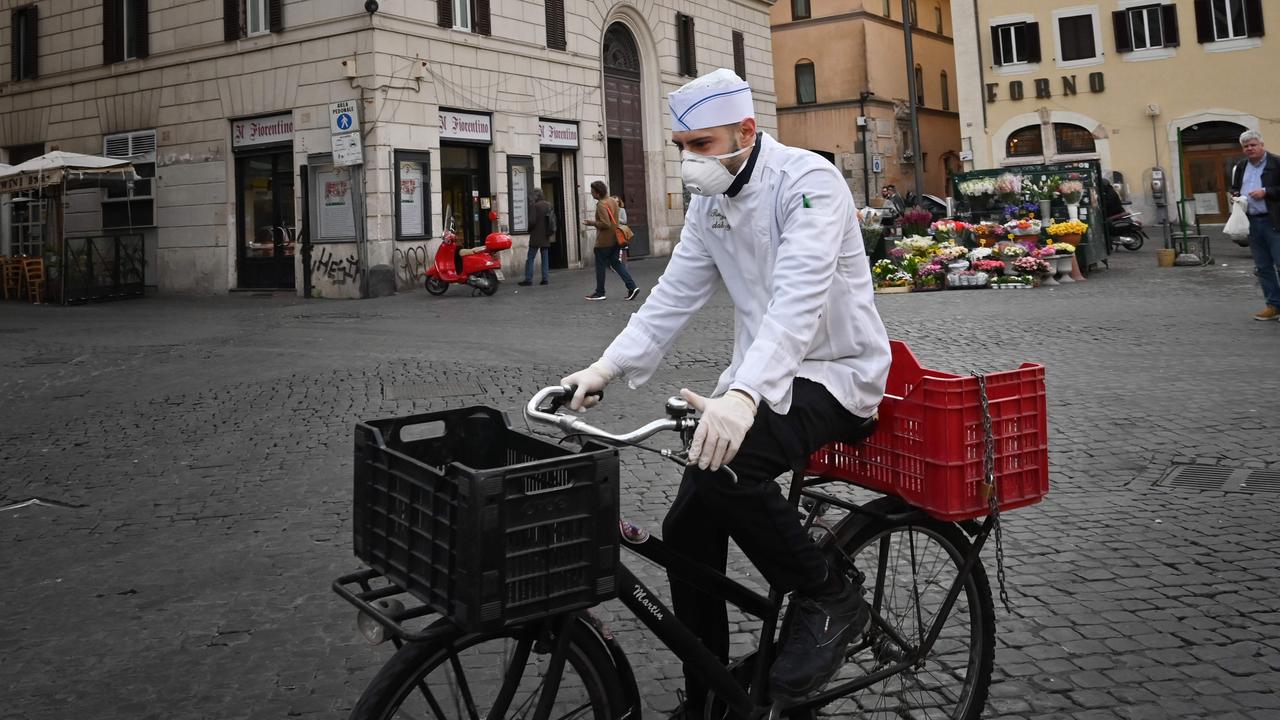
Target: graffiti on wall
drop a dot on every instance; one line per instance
(338, 270)
(410, 264)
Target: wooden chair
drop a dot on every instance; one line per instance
(35, 279)
(11, 269)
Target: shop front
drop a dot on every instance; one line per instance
(465, 139)
(558, 143)
(266, 227)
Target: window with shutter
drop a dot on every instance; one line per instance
(1228, 20)
(739, 55)
(1075, 38)
(275, 15)
(444, 13)
(1015, 43)
(1254, 26)
(232, 25)
(555, 25)
(112, 32)
(255, 14)
(483, 23)
(686, 51)
(919, 73)
(25, 33)
(800, 9)
(946, 90)
(141, 28)
(806, 83)
(133, 204)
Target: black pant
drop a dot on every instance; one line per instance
(710, 508)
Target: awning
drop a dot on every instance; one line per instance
(57, 167)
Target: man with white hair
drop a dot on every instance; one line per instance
(1257, 177)
(777, 225)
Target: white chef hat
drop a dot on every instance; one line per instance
(715, 99)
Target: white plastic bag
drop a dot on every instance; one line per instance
(1238, 224)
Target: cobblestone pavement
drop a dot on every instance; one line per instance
(203, 446)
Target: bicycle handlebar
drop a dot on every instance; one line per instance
(573, 424)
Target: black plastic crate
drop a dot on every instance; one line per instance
(485, 524)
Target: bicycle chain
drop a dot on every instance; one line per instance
(989, 481)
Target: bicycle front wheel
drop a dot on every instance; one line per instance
(909, 570)
(496, 677)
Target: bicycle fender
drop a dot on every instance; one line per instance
(621, 665)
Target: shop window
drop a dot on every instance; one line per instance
(686, 49)
(739, 55)
(800, 10)
(806, 83)
(1076, 38)
(946, 90)
(1015, 43)
(131, 204)
(1228, 19)
(919, 85)
(24, 24)
(1025, 142)
(1146, 28)
(1072, 139)
(413, 206)
(125, 30)
(556, 39)
(243, 18)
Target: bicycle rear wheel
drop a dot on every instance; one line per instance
(495, 676)
(909, 569)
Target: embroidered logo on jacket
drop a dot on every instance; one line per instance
(719, 221)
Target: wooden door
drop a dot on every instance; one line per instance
(1207, 179)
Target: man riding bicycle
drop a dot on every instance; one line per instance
(778, 226)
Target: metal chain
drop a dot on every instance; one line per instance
(989, 487)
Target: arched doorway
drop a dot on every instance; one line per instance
(1209, 150)
(624, 131)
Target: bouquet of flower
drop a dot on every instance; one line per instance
(1009, 185)
(1063, 248)
(1029, 265)
(1045, 189)
(977, 187)
(991, 267)
(948, 229)
(1023, 227)
(896, 279)
(981, 253)
(1071, 190)
(987, 227)
(883, 269)
(1012, 250)
(869, 218)
(1021, 211)
(1070, 227)
(949, 252)
(917, 245)
(1047, 251)
(915, 221)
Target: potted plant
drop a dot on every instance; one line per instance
(1009, 187)
(1023, 227)
(1013, 282)
(915, 221)
(949, 231)
(987, 233)
(1071, 191)
(1035, 267)
(990, 267)
(1068, 232)
(930, 276)
(896, 282)
(1043, 192)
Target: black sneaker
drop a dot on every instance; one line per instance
(544, 282)
(594, 296)
(524, 283)
(820, 630)
(633, 293)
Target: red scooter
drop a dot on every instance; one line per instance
(476, 267)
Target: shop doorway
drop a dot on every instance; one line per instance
(464, 189)
(1210, 150)
(266, 229)
(624, 130)
(555, 166)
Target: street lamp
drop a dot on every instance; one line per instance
(862, 128)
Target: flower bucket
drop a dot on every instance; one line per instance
(1071, 239)
(1165, 257)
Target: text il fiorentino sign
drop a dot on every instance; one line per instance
(262, 131)
(465, 126)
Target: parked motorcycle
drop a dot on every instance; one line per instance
(1125, 231)
(456, 265)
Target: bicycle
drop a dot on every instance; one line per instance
(928, 651)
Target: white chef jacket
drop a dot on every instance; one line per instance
(789, 250)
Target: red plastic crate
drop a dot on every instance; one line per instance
(929, 446)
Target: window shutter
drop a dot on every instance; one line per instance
(15, 60)
(30, 51)
(688, 54)
(141, 28)
(112, 33)
(739, 55)
(1204, 22)
(275, 15)
(1124, 38)
(231, 20)
(1253, 18)
(444, 13)
(996, 56)
(1033, 42)
(555, 25)
(1169, 25)
(482, 25)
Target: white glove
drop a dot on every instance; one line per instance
(591, 379)
(725, 422)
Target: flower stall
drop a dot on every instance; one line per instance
(1029, 201)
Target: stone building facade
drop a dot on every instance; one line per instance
(230, 109)
(841, 60)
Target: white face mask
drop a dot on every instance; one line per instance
(705, 174)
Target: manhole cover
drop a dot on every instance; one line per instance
(1223, 479)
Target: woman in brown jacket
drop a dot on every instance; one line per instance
(606, 225)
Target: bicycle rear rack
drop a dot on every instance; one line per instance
(363, 590)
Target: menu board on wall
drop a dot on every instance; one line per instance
(519, 199)
(412, 207)
(337, 216)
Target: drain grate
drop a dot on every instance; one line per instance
(1222, 479)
